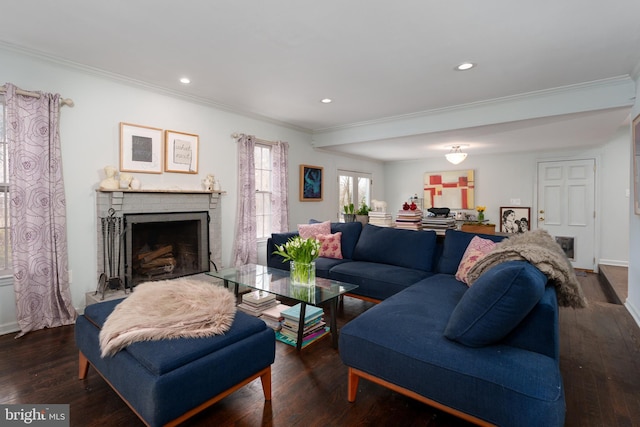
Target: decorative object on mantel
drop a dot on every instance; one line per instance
(110, 182)
(135, 184)
(181, 152)
(125, 180)
(208, 182)
(140, 148)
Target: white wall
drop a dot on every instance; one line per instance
(633, 299)
(90, 140)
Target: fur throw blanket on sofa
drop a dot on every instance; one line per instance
(177, 308)
(540, 249)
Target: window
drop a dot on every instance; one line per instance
(355, 187)
(5, 232)
(262, 158)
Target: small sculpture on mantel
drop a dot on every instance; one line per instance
(110, 182)
(208, 183)
(125, 180)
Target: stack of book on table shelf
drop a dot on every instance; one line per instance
(381, 219)
(314, 326)
(410, 220)
(255, 302)
(438, 223)
(272, 316)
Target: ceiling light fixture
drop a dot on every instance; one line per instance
(185, 80)
(456, 155)
(326, 100)
(465, 66)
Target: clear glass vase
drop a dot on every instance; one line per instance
(480, 216)
(303, 273)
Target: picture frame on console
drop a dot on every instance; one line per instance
(636, 163)
(515, 219)
(140, 148)
(181, 154)
(311, 183)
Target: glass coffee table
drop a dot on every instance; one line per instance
(277, 282)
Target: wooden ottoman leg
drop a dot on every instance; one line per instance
(83, 366)
(352, 385)
(265, 378)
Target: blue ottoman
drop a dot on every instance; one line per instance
(165, 382)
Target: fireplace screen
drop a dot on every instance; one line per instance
(162, 246)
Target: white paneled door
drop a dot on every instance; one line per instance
(566, 207)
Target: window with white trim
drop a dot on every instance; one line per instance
(354, 187)
(264, 173)
(5, 232)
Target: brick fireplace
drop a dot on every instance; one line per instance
(154, 205)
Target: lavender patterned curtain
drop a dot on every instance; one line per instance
(245, 247)
(37, 212)
(280, 199)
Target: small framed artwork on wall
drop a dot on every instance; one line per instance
(182, 152)
(515, 219)
(140, 148)
(311, 183)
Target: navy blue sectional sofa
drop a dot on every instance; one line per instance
(488, 353)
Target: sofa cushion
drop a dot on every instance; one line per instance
(350, 235)
(330, 245)
(496, 303)
(403, 248)
(376, 280)
(478, 247)
(312, 230)
(455, 243)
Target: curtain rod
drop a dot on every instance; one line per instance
(261, 141)
(63, 101)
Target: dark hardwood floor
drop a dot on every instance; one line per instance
(600, 363)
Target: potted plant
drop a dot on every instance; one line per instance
(362, 215)
(301, 254)
(349, 213)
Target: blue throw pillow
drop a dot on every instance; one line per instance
(455, 243)
(496, 303)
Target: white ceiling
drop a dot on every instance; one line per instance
(388, 66)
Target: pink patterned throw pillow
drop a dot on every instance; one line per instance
(312, 230)
(478, 248)
(330, 245)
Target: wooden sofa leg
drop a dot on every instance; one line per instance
(265, 378)
(83, 366)
(352, 385)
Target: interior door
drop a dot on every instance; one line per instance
(566, 207)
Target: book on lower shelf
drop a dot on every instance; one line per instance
(310, 312)
(314, 326)
(256, 302)
(272, 317)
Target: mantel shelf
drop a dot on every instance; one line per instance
(158, 190)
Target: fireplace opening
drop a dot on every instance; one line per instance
(161, 246)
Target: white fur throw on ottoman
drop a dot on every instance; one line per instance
(177, 308)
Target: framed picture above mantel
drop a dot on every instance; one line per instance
(140, 148)
(181, 152)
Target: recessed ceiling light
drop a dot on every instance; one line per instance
(326, 100)
(185, 80)
(465, 66)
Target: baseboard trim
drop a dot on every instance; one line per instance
(614, 262)
(9, 328)
(635, 313)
